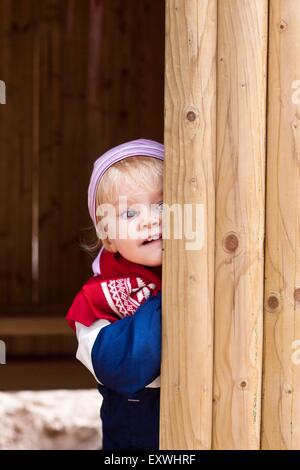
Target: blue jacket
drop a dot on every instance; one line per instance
(125, 359)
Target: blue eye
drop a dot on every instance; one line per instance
(125, 214)
(130, 213)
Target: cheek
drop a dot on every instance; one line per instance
(126, 231)
(129, 229)
(111, 228)
(107, 229)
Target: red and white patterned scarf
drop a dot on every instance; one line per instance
(117, 292)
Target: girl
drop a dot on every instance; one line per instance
(117, 313)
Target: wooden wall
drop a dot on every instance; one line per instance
(255, 282)
(81, 76)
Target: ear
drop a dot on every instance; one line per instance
(109, 246)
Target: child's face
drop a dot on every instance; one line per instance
(138, 214)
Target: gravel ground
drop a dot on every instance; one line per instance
(50, 420)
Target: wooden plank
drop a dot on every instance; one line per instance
(23, 326)
(40, 346)
(45, 375)
(74, 264)
(147, 70)
(35, 202)
(188, 275)
(281, 408)
(23, 26)
(5, 123)
(51, 156)
(17, 33)
(241, 128)
(125, 72)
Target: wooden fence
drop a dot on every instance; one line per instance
(231, 310)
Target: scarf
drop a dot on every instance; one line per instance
(117, 289)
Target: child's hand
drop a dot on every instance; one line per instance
(124, 295)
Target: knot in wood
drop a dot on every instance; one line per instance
(297, 294)
(191, 116)
(243, 384)
(231, 243)
(273, 302)
(282, 25)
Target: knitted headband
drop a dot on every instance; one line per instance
(139, 147)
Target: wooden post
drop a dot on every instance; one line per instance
(281, 406)
(241, 127)
(188, 275)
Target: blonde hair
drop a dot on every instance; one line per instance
(139, 170)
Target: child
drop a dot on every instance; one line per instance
(124, 355)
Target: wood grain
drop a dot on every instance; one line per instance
(281, 406)
(240, 212)
(188, 275)
(16, 52)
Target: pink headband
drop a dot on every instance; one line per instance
(142, 147)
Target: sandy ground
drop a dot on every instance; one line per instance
(48, 420)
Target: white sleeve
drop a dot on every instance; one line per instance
(86, 336)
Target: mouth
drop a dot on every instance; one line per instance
(152, 240)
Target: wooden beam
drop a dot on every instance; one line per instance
(41, 374)
(241, 129)
(34, 326)
(188, 274)
(281, 409)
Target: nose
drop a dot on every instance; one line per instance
(151, 219)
